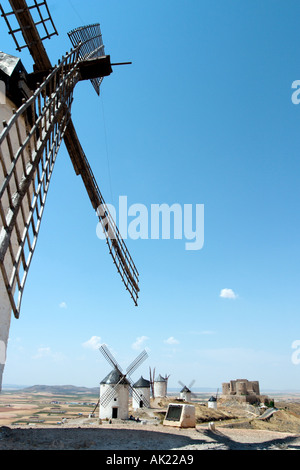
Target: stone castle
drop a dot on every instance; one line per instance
(242, 390)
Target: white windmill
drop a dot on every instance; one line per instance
(142, 389)
(116, 387)
(186, 392)
(161, 386)
(213, 401)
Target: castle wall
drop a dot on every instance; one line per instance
(242, 390)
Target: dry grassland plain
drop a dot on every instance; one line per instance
(63, 422)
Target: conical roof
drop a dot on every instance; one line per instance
(142, 383)
(113, 378)
(10, 69)
(185, 390)
(212, 399)
(9, 63)
(160, 379)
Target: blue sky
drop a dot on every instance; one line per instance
(202, 116)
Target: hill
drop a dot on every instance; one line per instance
(61, 389)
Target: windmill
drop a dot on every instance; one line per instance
(160, 386)
(37, 119)
(213, 401)
(116, 386)
(141, 398)
(186, 392)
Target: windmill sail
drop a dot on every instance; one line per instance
(111, 392)
(32, 31)
(30, 142)
(28, 149)
(91, 46)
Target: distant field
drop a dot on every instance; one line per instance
(55, 405)
(17, 408)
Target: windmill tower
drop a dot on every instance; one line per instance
(160, 386)
(116, 387)
(213, 401)
(186, 392)
(117, 406)
(37, 120)
(142, 389)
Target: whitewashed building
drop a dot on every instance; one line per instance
(186, 394)
(160, 387)
(116, 407)
(141, 397)
(212, 403)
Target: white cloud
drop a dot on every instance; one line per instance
(171, 340)
(63, 305)
(93, 343)
(139, 342)
(45, 352)
(42, 352)
(228, 294)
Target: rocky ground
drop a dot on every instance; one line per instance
(137, 436)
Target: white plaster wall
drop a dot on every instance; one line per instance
(186, 396)
(213, 405)
(160, 389)
(120, 400)
(142, 393)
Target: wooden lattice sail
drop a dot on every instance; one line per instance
(91, 46)
(37, 119)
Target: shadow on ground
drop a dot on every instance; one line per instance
(92, 439)
(128, 439)
(287, 443)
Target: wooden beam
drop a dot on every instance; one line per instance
(31, 34)
(95, 68)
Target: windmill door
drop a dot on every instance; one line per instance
(114, 413)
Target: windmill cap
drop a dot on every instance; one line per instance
(212, 399)
(9, 63)
(142, 383)
(160, 379)
(10, 69)
(114, 378)
(185, 389)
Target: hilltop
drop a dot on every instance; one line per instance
(60, 389)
